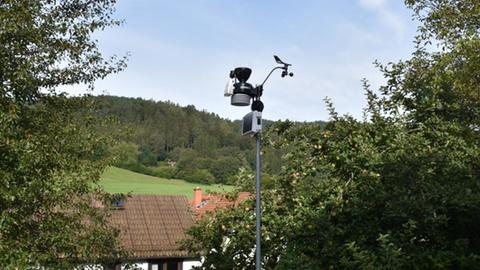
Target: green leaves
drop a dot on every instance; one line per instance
(398, 190)
(447, 20)
(49, 44)
(51, 153)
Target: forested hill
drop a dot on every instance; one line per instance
(164, 126)
(171, 141)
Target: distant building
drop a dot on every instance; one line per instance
(204, 203)
(150, 228)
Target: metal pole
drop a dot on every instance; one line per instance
(258, 212)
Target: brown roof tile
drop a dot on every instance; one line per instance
(151, 225)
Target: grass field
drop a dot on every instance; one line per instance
(116, 180)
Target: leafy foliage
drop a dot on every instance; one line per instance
(50, 150)
(398, 190)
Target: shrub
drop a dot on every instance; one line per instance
(197, 176)
(163, 171)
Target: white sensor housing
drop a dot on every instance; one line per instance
(229, 88)
(252, 123)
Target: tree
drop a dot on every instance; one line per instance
(127, 154)
(212, 139)
(50, 151)
(146, 157)
(398, 190)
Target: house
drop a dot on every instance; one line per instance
(204, 203)
(150, 228)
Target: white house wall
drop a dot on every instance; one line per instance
(188, 265)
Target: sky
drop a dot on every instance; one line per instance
(183, 50)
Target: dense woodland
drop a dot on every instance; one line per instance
(170, 141)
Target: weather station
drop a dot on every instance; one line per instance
(241, 93)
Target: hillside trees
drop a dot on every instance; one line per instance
(50, 150)
(199, 146)
(399, 190)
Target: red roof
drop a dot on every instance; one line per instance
(210, 202)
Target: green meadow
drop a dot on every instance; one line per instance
(116, 180)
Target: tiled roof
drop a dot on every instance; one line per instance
(212, 202)
(151, 225)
